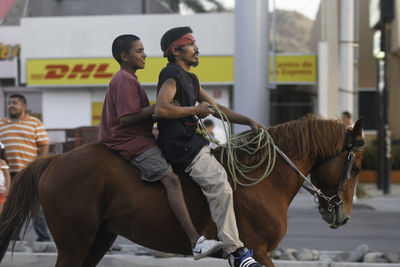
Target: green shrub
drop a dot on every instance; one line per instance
(395, 161)
(370, 157)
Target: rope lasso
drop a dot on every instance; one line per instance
(243, 142)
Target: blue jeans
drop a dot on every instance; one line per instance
(40, 226)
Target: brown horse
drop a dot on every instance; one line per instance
(90, 195)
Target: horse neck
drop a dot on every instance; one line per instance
(289, 179)
(283, 179)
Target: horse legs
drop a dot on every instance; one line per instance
(261, 255)
(102, 243)
(73, 234)
(72, 248)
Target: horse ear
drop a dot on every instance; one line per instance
(357, 129)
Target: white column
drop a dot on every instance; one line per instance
(251, 95)
(347, 90)
(323, 77)
(328, 58)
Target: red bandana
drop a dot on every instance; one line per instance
(182, 41)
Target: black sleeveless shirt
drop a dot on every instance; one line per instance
(177, 138)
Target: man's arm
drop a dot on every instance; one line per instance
(136, 117)
(232, 115)
(166, 109)
(43, 150)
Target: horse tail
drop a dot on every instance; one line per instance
(22, 202)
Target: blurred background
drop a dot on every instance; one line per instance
(272, 60)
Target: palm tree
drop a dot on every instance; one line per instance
(195, 5)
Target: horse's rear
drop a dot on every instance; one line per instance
(90, 195)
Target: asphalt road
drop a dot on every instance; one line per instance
(306, 229)
(379, 230)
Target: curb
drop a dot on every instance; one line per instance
(49, 259)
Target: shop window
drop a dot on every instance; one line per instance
(367, 108)
(291, 102)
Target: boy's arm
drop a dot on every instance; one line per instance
(136, 117)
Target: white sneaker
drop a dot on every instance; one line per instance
(205, 247)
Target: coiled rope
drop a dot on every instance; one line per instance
(246, 142)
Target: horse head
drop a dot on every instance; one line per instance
(337, 175)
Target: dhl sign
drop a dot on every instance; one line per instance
(290, 69)
(90, 71)
(99, 71)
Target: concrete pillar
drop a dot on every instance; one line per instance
(251, 95)
(347, 50)
(328, 77)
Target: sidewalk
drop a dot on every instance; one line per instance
(374, 200)
(378, 201)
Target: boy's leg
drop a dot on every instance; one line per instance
(154, 167)
(177, 203)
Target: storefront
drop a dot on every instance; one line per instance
(69, 60)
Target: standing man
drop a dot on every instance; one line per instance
(126, 127)
(24, 138)
(185, 149)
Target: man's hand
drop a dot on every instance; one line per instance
(255, 126)
(203, 110)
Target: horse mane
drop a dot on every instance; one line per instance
(310, 136)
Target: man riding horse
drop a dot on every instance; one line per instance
(188, 151)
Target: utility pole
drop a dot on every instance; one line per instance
(381, 23)
(385, 102)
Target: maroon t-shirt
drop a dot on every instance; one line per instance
(125, 96)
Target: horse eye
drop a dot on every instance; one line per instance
(355, 169)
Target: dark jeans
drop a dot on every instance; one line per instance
(40, 226)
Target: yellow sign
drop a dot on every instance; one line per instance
(294, 69)
(97, 108)
(99, 71)
(212, 69)
(90, 71)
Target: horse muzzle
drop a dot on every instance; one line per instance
(335, 217)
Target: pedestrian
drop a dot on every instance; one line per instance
(24, 138)
(5, 181)
(346, 118)
(126, 126)
(188, 151)
(209, 125)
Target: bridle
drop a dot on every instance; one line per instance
(333, 202)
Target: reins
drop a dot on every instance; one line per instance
(263, 140)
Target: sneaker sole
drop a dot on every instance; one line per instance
(215, 249)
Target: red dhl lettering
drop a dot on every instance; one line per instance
(77, 71)
(56, 71)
